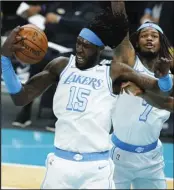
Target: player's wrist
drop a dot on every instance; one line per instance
(165, 83)
(3, 57)
(5, 62)
(9, 76)
(6, 50)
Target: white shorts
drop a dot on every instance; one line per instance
(68, 174)
(141, 170)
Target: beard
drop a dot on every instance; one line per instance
(148, 54)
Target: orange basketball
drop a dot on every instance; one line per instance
(36, 45)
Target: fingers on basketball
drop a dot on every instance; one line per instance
(32, 43)
(15, 32)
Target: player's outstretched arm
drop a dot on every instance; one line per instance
(124, 52)
(160, 102)
(155, 100)
(163, 86)
(24, 94)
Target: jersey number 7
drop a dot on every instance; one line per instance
(147, 110)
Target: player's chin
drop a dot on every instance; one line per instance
(149, 53)
(149, 50)
(81, 65)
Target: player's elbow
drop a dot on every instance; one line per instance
(18, 102)
(19, 99)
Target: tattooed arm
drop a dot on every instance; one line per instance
(160, 102)
(154, 100)
(124, 72)
(124, 52)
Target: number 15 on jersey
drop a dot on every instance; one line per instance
(78, 99)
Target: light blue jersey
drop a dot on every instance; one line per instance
(134, 121)
(82, 103)
(137, 151)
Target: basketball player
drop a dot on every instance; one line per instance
(137, 151)
(82, 103)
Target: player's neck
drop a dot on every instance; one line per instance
(149, 63)
(94, 62)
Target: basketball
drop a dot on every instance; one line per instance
(36, 45)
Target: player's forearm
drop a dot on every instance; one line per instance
(160, 102)
(124, 52)
(37, 85)
(122, 47)
(23, 94)
(144, 82)
(10, 78)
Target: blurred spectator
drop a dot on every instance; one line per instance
(12, 16)
(166, 20)
(152, 12)
(134, 11)
(65, 20)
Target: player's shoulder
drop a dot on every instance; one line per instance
(60, 61)
(57, 65)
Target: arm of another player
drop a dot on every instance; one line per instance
(160, 102)
(153, 99)
(125, 72)
(24, 94)
(124, 52)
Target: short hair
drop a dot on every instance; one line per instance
(165, 45)
(111, 29)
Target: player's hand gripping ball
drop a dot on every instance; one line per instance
(35, 43)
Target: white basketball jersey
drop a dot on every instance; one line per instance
(82, 103)
(134, 121)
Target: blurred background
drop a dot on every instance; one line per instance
(28, 132)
